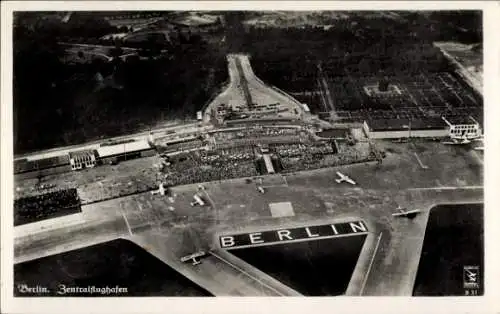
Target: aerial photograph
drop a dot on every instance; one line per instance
(248, 153)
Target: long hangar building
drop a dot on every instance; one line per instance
(125, 151)
(429, 127)
(108, 153)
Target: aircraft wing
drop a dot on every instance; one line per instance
(192, 256)
(351, 181)
(407, 212)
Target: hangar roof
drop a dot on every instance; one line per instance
(334, 133)
(82, 153)
(112, 150)
(404, 124)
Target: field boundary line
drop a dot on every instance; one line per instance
(126, 220)
(246, 273)
(370, 265)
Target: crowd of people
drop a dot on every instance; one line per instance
(256, 133)
(227, 155)
(180, 146)
(203, 166)
(211, 173)
(299, 149)
(142, 181)
(39, 207)
(304, 160)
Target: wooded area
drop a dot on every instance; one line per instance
(57, 103)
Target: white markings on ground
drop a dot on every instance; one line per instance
(213, 205)
(209, 198)
(470, 187)
(274, 186)
(126, 220)
(420, 162)
(48, 225)
(282, 209)
(286, 182)
(478, 158)
(246, 273)
(371, 264)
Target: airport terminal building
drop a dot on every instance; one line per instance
(82, 159)
(463, 126)
(401, 128)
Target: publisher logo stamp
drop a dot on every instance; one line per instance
(471, 279)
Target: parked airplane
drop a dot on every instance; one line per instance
(261, 189)
(404, 212)
(458, 141)
(161, 190)
(197, 201)
(193, 257)
(344, 178)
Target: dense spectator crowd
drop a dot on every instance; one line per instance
(44, 206)
(227, 155)
(211, 173)
(310, 162)
(256, 133)
(143, 181)
(175, 147)
(241, 161)
(202, 166)
(298, 149)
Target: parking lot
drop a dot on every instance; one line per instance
(418, 96)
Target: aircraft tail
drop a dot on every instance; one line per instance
(338, 180)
